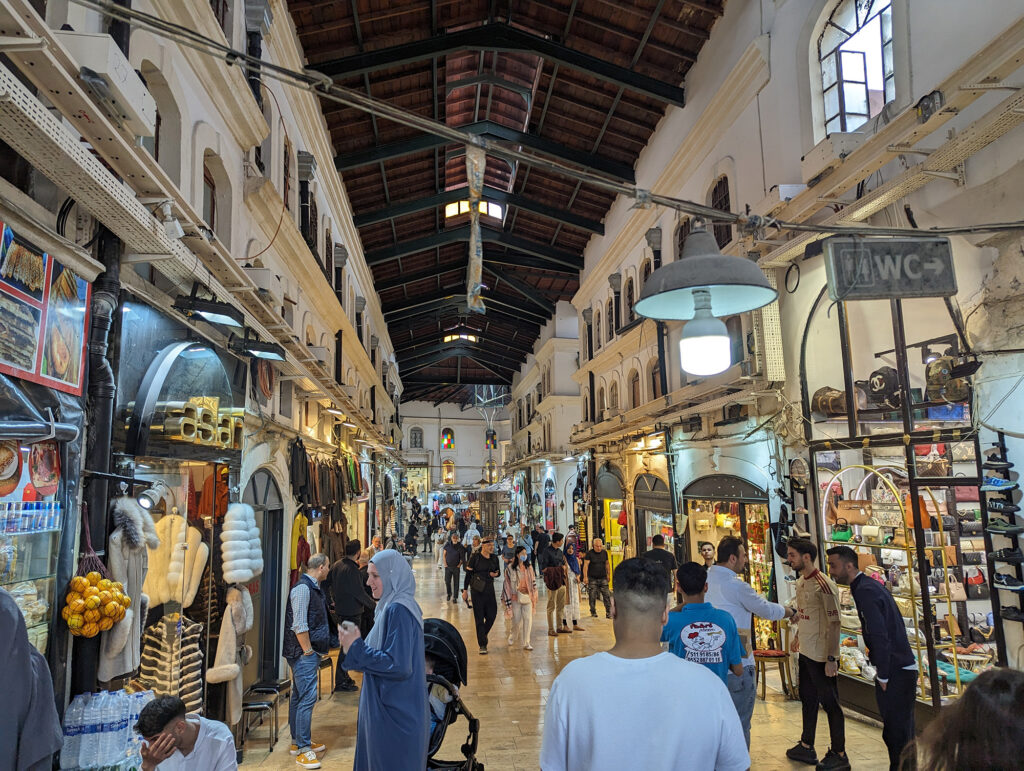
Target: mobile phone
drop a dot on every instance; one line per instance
(347, 625)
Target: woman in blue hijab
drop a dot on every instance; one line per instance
(393, 725)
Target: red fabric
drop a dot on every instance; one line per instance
(302, 556)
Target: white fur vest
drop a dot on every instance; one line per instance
(174, 572)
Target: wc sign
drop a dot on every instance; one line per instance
(884, 268)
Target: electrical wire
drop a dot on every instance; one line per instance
(325, 87)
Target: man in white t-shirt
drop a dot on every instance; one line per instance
(174, 741)
(681, 709)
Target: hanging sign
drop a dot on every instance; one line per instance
(44, 308)
(884, 268)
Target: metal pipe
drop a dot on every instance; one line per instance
(844, 347)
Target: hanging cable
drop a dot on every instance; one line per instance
(325, 87)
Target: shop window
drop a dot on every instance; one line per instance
(209, 199)
(634, 389)
(719, 199)
(630, 299)
(613, 396)
(416, 439)
(447, 439)
(656, 380)
(855, 54)
(448, 472)
(682, 231)
(611, 321)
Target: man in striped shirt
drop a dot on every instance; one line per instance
(817, 641)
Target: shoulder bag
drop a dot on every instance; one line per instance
(554, 577)
(977, 588)
(841, 530)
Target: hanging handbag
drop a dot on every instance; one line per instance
(841, 531)
(977, 588)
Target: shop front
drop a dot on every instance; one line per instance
(652, 505)
(722, 505)
(613, 523)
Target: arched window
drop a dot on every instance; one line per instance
(682, 231)
(600, 403)
(630, 299)
(416, 439)
(597, 331)
(656, 380)
(734, 325)
(636, 398)
(855, 54)
(286, 181)
(216, 201)
(448, 472)
(209, 199)
(610, 316)
(645, 273)
(165, 145)
(491, 440)
(447, 439)
(613, 396)
(491, 472)
(719, 199)
(586, 406)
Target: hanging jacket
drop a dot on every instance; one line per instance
(163, 651)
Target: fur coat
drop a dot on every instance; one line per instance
(174, 572)
(240, 547)
(232, 653)
(128, 561)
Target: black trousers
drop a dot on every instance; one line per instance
(451, 581)
(341, 677)
(485, 611)
(896, 705)
(815, 689)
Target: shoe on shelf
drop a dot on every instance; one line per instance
(307, 760)
(1010, 613)
(995, 462)
(802, 754)
(833, 761)
(998, 485)
(1008, 583)
(314, 746)
(1002, 506)
(1010, 556)
(1002, 526)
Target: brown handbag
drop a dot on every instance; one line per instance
(950, 555)
(854, 512)
(932, 467)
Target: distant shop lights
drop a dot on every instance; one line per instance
(700, 286)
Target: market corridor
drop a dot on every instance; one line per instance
(508, 689)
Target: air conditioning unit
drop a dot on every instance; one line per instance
(320, 353)
(121, 92)
(828, 154)
(777, 197)
(268, 284)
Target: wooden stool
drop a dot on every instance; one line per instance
(762, 658)
(326, 662)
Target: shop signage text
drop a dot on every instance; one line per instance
(884, 268)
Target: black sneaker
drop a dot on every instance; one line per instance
(1001, 526)
(833, 761)
(1009, 583)
(1002, 506)
(483, 651)
(1010, 556)
(803, 754)
(997, 464)
(1011, 613)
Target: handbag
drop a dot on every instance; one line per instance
(951, 558)
(957, 593)
(966, 493)
(841, 531)
(970, 527)
(477, 583)
(887, 514)
(894, 557)
(871, 534)
(524, 598)
(905, 606)
(853, 511)
(932, 466)
(554, 578)
(973, 557)
(977, 588)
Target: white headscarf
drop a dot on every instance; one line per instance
(399, 588)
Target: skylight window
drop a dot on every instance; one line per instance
(461, 336)
(487, 208)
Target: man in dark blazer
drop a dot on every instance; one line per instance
(889, 650)
(350, 600)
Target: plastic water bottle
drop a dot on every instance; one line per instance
(88, 756)
(73, 726)
(114, 748)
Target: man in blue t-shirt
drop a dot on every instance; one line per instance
(699, 632)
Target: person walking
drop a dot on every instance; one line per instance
(468, 550)
(393, 728)
(483, 567)
(508, 549)
(817, 642)
(637, 706)
(519, 596)
(571, 613)
(452, 555)
(729, 592)
(440, 539)
(351, 600)
(556, 575)
(889, 650)
(471, 532)
(412, 535)
(700, 632)
(526, 541)
(662, 556)
(540, 540)
(306, 639)
(595, 576)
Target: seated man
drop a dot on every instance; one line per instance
(174, 741)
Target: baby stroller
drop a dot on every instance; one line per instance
(446, 651)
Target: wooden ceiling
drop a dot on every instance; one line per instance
(584, 81)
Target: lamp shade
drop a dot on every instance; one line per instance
(735, 284)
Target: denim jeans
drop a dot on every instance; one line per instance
(742, 691)
(304, 693)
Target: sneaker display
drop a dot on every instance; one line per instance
(1001, 526)
(803, 754)
(1012, 556)
(1009, 583)
(314, 746)
(1003, 506)
(1011, 613)
(307, 760)
(833, 761)
(998, 485)
(997, 463)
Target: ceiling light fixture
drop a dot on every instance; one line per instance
(250, 345)
(334, 411)
(149, 498)
(212, 311)
(349, 423)
(704, 347)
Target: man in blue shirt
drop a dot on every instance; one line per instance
(699, 632)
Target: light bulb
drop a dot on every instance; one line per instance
(705, 348)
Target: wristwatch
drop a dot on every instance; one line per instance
(306, 653)
(832, 659)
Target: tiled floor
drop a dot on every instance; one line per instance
(507, 682)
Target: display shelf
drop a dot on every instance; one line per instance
(24, 533)
(27, 578)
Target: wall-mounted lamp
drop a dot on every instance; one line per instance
(212, 311)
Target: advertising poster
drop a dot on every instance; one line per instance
(43, 314)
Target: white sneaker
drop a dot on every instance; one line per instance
(307, 760)
(527, 647)
(511, 640)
